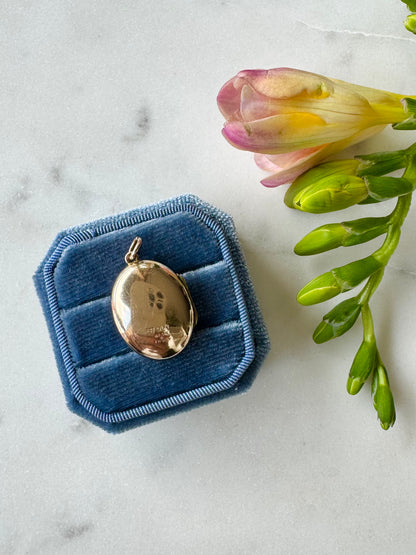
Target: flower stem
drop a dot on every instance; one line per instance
(370, 287)
(368, 326)
(395, 222)
(394, 225)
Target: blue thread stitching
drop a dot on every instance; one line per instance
(174, 400)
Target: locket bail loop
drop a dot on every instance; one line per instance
(133, 252)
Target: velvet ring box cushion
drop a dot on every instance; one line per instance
(103, 379)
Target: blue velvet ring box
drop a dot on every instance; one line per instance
(103, 379)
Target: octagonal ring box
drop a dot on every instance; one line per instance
(103, 379)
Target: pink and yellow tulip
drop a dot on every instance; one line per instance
(293, 119)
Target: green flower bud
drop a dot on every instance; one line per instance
(320, 289)
(346, 234)
(383, 397)
(410, 23)
(313, 182)
(331, 193)
(321, 239)
(338, 280)
(338, 321)
(362, 366)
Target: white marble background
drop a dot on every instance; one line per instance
(106, 106)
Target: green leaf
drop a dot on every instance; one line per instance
(410, 103)
(408, 124)
(369, 200)
(411, 4)
(350, 275)
(338, 321)
(384, 188)
(381, 163)
(363, 230)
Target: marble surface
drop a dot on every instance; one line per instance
(110, 105)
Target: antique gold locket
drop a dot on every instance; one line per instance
(152, 307)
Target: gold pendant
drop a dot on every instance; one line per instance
(152, 307)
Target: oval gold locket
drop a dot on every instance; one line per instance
(152, 307)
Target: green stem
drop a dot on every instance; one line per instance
(394, 225)
(398, 216)
(370, 287)
(411, 150)
(368, 326)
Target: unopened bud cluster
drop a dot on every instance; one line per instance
(334, 186)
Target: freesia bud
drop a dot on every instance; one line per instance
(382, 397)
(293, 119)
(332, 193)
(410, 23)
(335, 185)
(338, 321)
(327, 187)
(362, 366)
(320, 289)
(321, 239)
(338, 280)
(345, 234)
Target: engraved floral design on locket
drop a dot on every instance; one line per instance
(152, 307)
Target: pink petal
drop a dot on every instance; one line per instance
(255, 106)
(288, 174)
(275, 162)
(283, 83)
(284, 133)
(228, 99)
